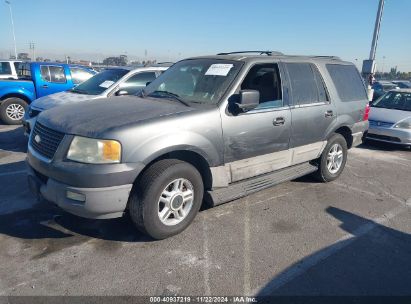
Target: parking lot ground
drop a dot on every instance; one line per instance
(348, 237)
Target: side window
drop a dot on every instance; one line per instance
(57, 74)
(137, 82)
(45, 73)
(52, 73)
(17, 65)
(265, 78)
(347, 81)
(79, 75)
(307, 85)
(5, 68)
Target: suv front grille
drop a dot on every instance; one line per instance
(45, 141)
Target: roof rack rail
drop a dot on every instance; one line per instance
(268, 53)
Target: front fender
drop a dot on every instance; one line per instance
(19, 91)
(165, 143)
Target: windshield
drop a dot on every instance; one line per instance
(99, 82)
(394, 101)
(195, 80)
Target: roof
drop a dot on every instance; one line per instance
(249, 56)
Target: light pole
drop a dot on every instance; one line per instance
(368, 67)
(12, 25)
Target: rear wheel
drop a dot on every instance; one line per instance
(333, 159)
(12, 110)
(167, 198)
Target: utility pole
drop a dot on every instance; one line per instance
(368, 68)
(12, 25)
(33, 52)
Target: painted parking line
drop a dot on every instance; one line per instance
(13, 172)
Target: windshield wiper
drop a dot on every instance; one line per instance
(79, 91)
(169, 94)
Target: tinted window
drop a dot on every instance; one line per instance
(17, 65)
(79, 75)
(100, 82)
(5, 68)
(347, 81)
(138, 81)
(24, 71)
(265, 78)
(307, 85)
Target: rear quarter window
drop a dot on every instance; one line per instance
(347, 82)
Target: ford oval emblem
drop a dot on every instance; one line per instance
(37, 139)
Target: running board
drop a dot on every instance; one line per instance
(251, 185)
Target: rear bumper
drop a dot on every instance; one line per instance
(96, 203)
(390, 135)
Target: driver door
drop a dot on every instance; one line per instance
(257, 141)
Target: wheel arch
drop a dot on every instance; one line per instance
(15, 95)
(196, 159)
(346, 132)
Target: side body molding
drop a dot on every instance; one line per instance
(254, 166)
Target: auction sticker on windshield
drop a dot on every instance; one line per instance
(106, 84)
(220, 69)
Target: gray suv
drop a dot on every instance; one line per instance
(209, 129)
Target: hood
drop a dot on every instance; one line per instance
(95, 118)
(388, 115)
(61, 98)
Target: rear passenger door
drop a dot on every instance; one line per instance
(311, 110)
(52, 80)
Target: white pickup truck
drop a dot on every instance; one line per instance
(8, 69)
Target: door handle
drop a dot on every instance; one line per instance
(279, 121)
(329, 113)
(45, 86)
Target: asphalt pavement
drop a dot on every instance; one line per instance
(348, 237)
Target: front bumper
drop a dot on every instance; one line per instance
(91, 191)
(95, 203)
(390, 135)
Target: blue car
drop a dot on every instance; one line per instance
(37, 79)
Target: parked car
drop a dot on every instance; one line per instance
(390, 118)
(37, 79)
(215, 128)
(382, 87)
(8, 69)
(109, 82)
(402, 84)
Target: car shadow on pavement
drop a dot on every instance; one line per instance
(13, 140)
(46, 221)
(382, 146)
(372, 260)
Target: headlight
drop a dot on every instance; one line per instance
(94, 151)
(405, 124)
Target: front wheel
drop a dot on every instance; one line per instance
(12, 110)
(333, 159)
(167, 198)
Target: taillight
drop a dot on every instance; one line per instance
(366, 112)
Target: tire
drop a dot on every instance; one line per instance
(12, 110)
(150, 197)
(328, 172)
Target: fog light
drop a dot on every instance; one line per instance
(75, 196)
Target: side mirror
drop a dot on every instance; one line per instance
(249, 99)
(121, 93)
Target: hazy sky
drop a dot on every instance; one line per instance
(174, 29)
